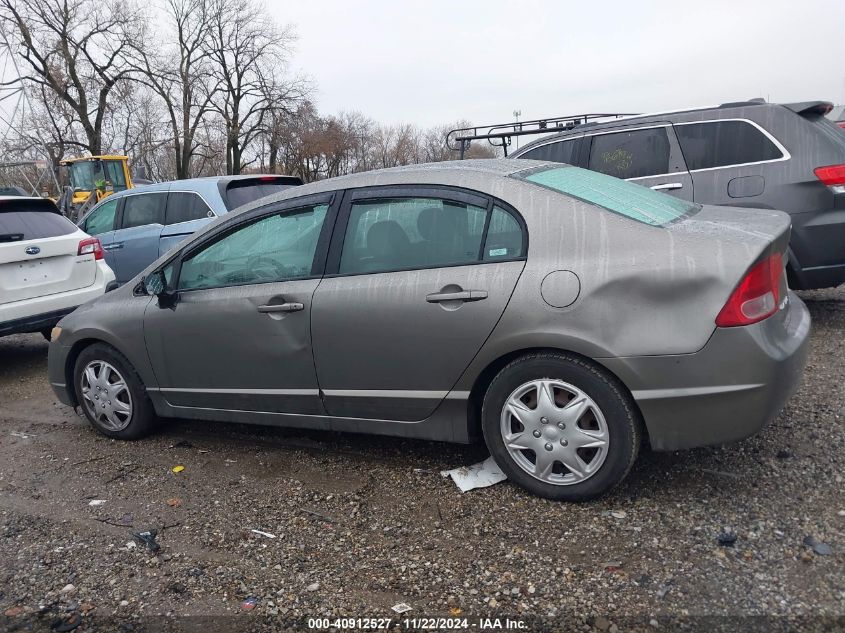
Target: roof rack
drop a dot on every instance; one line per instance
(500, 134)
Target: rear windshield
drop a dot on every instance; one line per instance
(240, 192)
(618, 196)
(17, 226)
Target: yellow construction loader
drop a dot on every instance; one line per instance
(92, 178)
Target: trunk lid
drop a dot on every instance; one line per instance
(38, 256)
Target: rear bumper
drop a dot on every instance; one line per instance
(33, 315)
(34, 323)
(728, 390)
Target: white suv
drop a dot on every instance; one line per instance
(48, 266)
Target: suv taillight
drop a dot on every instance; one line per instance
(756, 297)
(89, 246)
(833, 176)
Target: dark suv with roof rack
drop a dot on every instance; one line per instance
(748, 154)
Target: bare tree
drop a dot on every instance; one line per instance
(176, 66)
(77, 50)
(250, 54)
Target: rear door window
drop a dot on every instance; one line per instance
(618, 196)
(571, 151)
(17, 226)
(143, 209)
(391, 234)
(101, 219)
(722, 143)
(631, 154)
(184, 206)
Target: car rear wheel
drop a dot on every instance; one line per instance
(111, 394)
(560, 427)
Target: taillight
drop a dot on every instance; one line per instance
(832, 176)
(756, 297)
(91, 245)
(841, 124)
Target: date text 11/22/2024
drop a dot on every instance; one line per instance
(419, 623)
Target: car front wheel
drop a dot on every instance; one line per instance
(560, 427)
(111, 394)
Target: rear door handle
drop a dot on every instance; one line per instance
(113, 247)
(281, 307)
(668, 186)
(463, 295)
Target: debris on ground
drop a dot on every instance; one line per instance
(177, 469)
(175, 502)
(249, 604)
(313, 586)
(96, 502)
(401, 608)
(148, 538)
(479, 475)
(69, 623)
(822, 549)
(182, 444)
(726, 538)
(260, 533)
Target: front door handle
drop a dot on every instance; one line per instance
(668, 186)
(280, 307)
(462, 295)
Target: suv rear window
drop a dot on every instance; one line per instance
(241, 192)
(570, 151)
(631, 154)
(618, 196)
(17, 226)
(723, 143)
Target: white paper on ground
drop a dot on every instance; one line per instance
(479, 475)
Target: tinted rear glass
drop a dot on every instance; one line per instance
(184, 206)
(241, 192)
(634, 154)
(723, 143)
(17, 226)
(618, 196)
(569, 151)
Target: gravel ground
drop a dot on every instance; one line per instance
(363, 523)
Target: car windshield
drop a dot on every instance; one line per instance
(618, 196)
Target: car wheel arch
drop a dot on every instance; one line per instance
(486, 376)
(75, 350)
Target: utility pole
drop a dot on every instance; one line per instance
(25, 161)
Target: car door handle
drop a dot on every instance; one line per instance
(668, 186)
(462, 295)
(280, 307)
(113, 247)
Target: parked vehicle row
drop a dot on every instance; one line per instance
(557, 312)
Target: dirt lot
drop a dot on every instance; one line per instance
(364, 523)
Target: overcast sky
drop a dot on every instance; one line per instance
(437, 61)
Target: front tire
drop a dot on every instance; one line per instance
(560, 427)
(112, 394)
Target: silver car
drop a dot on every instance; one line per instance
(559, 313)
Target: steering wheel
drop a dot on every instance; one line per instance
(258, 265)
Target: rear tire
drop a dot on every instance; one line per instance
(112, 394)
(560, 427)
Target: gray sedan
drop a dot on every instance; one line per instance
(560, 314)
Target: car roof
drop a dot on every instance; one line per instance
(679, 115)
(488, 169)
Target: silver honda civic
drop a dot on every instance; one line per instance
(561, 314)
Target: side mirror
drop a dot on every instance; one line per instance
(155, 284)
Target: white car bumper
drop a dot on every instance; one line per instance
(39, 313)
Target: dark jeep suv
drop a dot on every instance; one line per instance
(749, 154)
